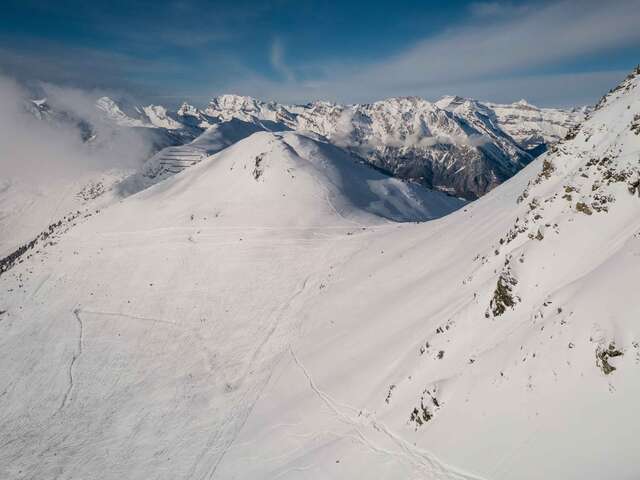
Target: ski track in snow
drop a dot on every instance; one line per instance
(422, 460)
(128, 315)
(250, 396)
(76, 355)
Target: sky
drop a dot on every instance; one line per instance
(552, 53)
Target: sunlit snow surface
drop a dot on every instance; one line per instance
(263, 315)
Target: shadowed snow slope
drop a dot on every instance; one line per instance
(233, 322)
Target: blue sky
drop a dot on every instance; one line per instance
(552, 53)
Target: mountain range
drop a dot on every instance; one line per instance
(456, 145)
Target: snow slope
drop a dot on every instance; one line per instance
(493, 354)
(259, 316)
(234, 238)
(26, 208)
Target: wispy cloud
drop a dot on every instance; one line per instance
(497, 9)
(187, 49)
(481, 52)
(87, 67)
(276, 58)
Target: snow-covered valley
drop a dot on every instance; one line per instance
(281, 309)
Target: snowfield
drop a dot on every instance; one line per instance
(281, 311)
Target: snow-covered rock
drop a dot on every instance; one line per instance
(159, 117)
(194, 117)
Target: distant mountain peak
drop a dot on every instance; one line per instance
(524, 103)
(114, 111)
(450, 101)
(187, 109)
(234, 102)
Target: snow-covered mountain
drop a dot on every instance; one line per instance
(194, 117)
(135, 118)
(154, 125)
(535, 129)
(150, 116)
(246, 108)
(456, 145)
(262, 315)
(414, 139)
(176, 127)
